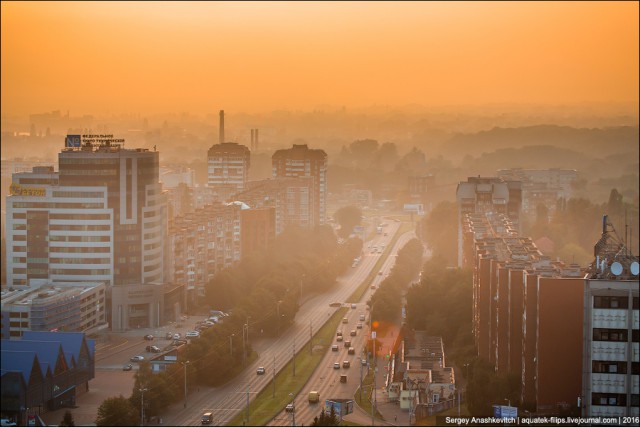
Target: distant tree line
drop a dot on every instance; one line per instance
(388, 297)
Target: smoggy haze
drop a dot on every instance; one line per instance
(112, 57)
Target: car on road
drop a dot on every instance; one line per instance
(168, 335)
(345, 320)
(177, 336)
(346, 364)
(343, 378)
(148, 337)
(290, 408)
(153, 349)
(363, 362)
(137, 358)
(334, 347)
(336, 365)
(207, 418)
(335, 304)
(192, 334)
(339, 338)
(261, 370)
(127, 367)
(347, 343)
(339, 333)
(379, 273)
(359, 326)
(362, 317)
(373, 287)
(352, 350)
(353, 306)
(353, 333)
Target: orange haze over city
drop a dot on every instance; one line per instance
(154, 57)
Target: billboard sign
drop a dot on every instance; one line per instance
(72, 141)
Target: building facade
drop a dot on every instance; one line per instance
(301, 161)
(228, 168)
(71, 307)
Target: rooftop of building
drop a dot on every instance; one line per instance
(40, 292)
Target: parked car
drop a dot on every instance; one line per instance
(336, 365)
(148, 337)
(127, 367)
(177, 336)
(153, 349)
(290, 408)
(261, 370)
(168, 335)
(334, 347)
(192, 334)
(137, 358)
(363, 362)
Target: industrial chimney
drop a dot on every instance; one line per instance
(221, 141)
(256, 139)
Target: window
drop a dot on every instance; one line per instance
(600, 334)
(609, 399)
(608, 367)
(610, 302)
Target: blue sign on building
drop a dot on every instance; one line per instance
(72, 141)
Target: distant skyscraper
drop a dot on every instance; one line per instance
(300, 161)
(228, 167)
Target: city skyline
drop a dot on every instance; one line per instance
(111, 57)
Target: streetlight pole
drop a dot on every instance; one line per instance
(278, 318)
(274, 376)
(184, 364)
(142, 390)
(310, 338)
(231, 344)
(294, 355)
(373, 337)
(293, 412)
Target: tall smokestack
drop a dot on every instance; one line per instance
(252, 140)
(221, 127)
(256, 141)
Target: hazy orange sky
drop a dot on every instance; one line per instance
(148, 57)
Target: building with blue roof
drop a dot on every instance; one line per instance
(44, 371)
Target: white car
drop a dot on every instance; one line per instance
(177, 336)
(192, 334)
(261, 370)
(137, 358)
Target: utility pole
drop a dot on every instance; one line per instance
(248, 388)
(310, 338)
(360, 380)
(184, 364)
(294, 355)
(274, 376)
(142, 390)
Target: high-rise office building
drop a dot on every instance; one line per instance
(102, 217)
(300, 161)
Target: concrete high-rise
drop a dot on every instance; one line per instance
(300, 161)
(102, 217)
(228, 168)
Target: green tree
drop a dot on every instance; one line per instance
(326, 420)
(117, 411)
(67, 420)
(348, 217)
